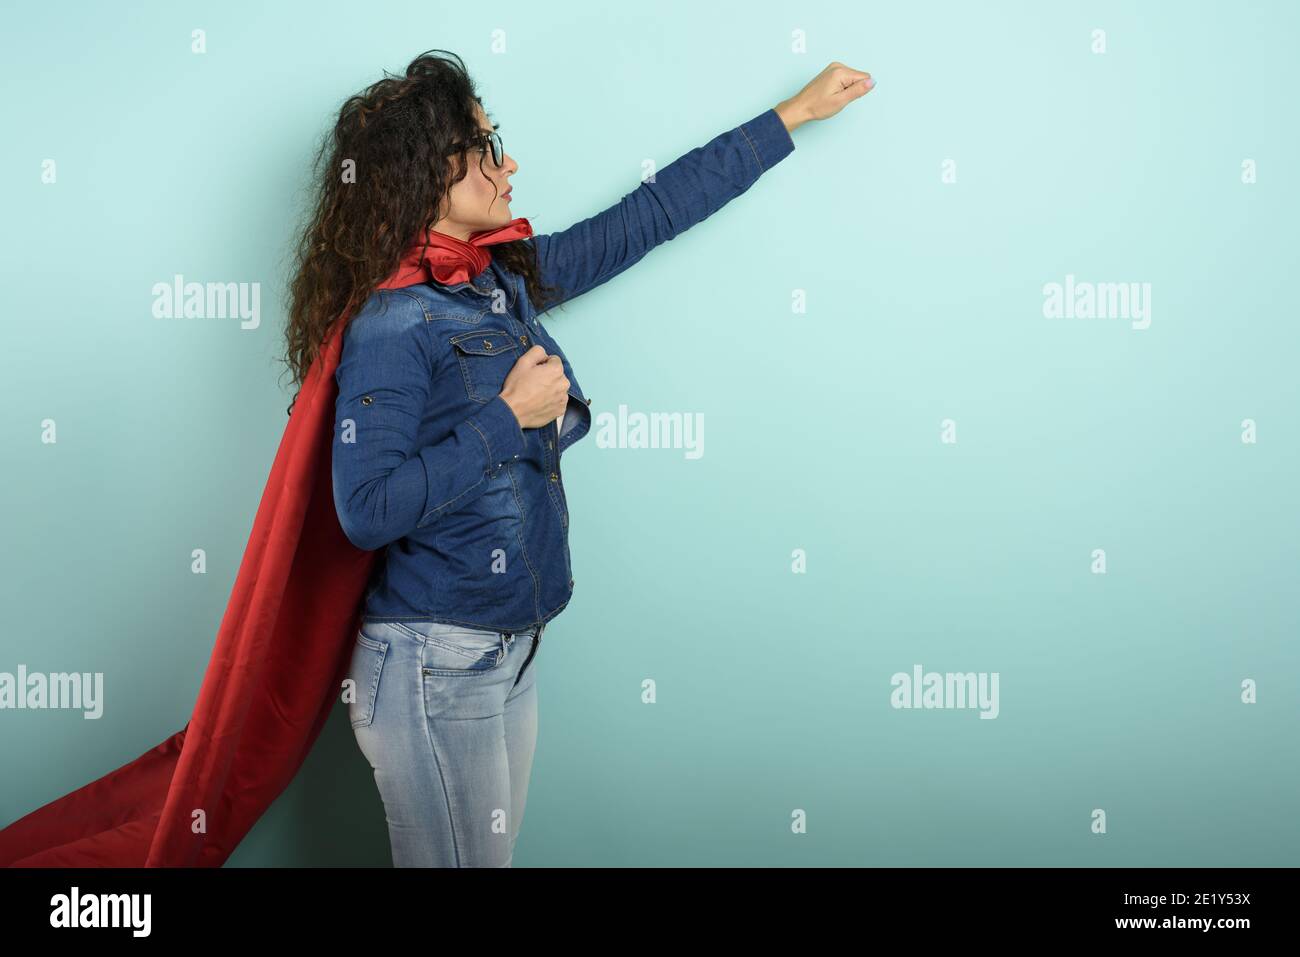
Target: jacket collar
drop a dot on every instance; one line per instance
(484, 284)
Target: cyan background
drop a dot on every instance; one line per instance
(821, 429)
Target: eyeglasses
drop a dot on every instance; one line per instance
(483, 141)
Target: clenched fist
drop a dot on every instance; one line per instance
(825, 95)
(537, 390)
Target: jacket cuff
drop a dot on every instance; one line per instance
(769, 138)
(497, 426)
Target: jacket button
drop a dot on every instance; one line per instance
(524, 340)
(554, 477)
(487, 343)
(367, 399)
(588, 401)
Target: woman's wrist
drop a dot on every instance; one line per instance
(791, 113)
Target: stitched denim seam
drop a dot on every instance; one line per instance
(406, 632)
(464, 374)
(442, 777)
(523, 548)
(445, 506)
(757, 158)
(552, 488)
(429, 616)
(471, 317)
(464, 369)
(435, 356)
(372, 693)
(494, 657)
(433, 348)
(434, 639)
(461, 672)
(394, 619)
(415, 299)
(486, 444)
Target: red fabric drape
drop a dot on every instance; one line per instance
(276, 670)
(275, 673)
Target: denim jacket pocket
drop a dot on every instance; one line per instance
(486, 357)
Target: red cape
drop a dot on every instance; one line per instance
(281, 655)
(275, 674)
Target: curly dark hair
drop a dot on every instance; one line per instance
(396, 137)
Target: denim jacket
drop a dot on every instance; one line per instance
(430, 463)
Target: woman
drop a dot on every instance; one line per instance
(454, 406)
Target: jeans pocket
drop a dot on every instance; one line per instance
(457, 651)
(368, 655)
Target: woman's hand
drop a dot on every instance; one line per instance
(825, 95)
(536, 389)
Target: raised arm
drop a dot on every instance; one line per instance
(689, 189)
(686, 191)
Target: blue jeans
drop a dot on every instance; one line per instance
(447, 717)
